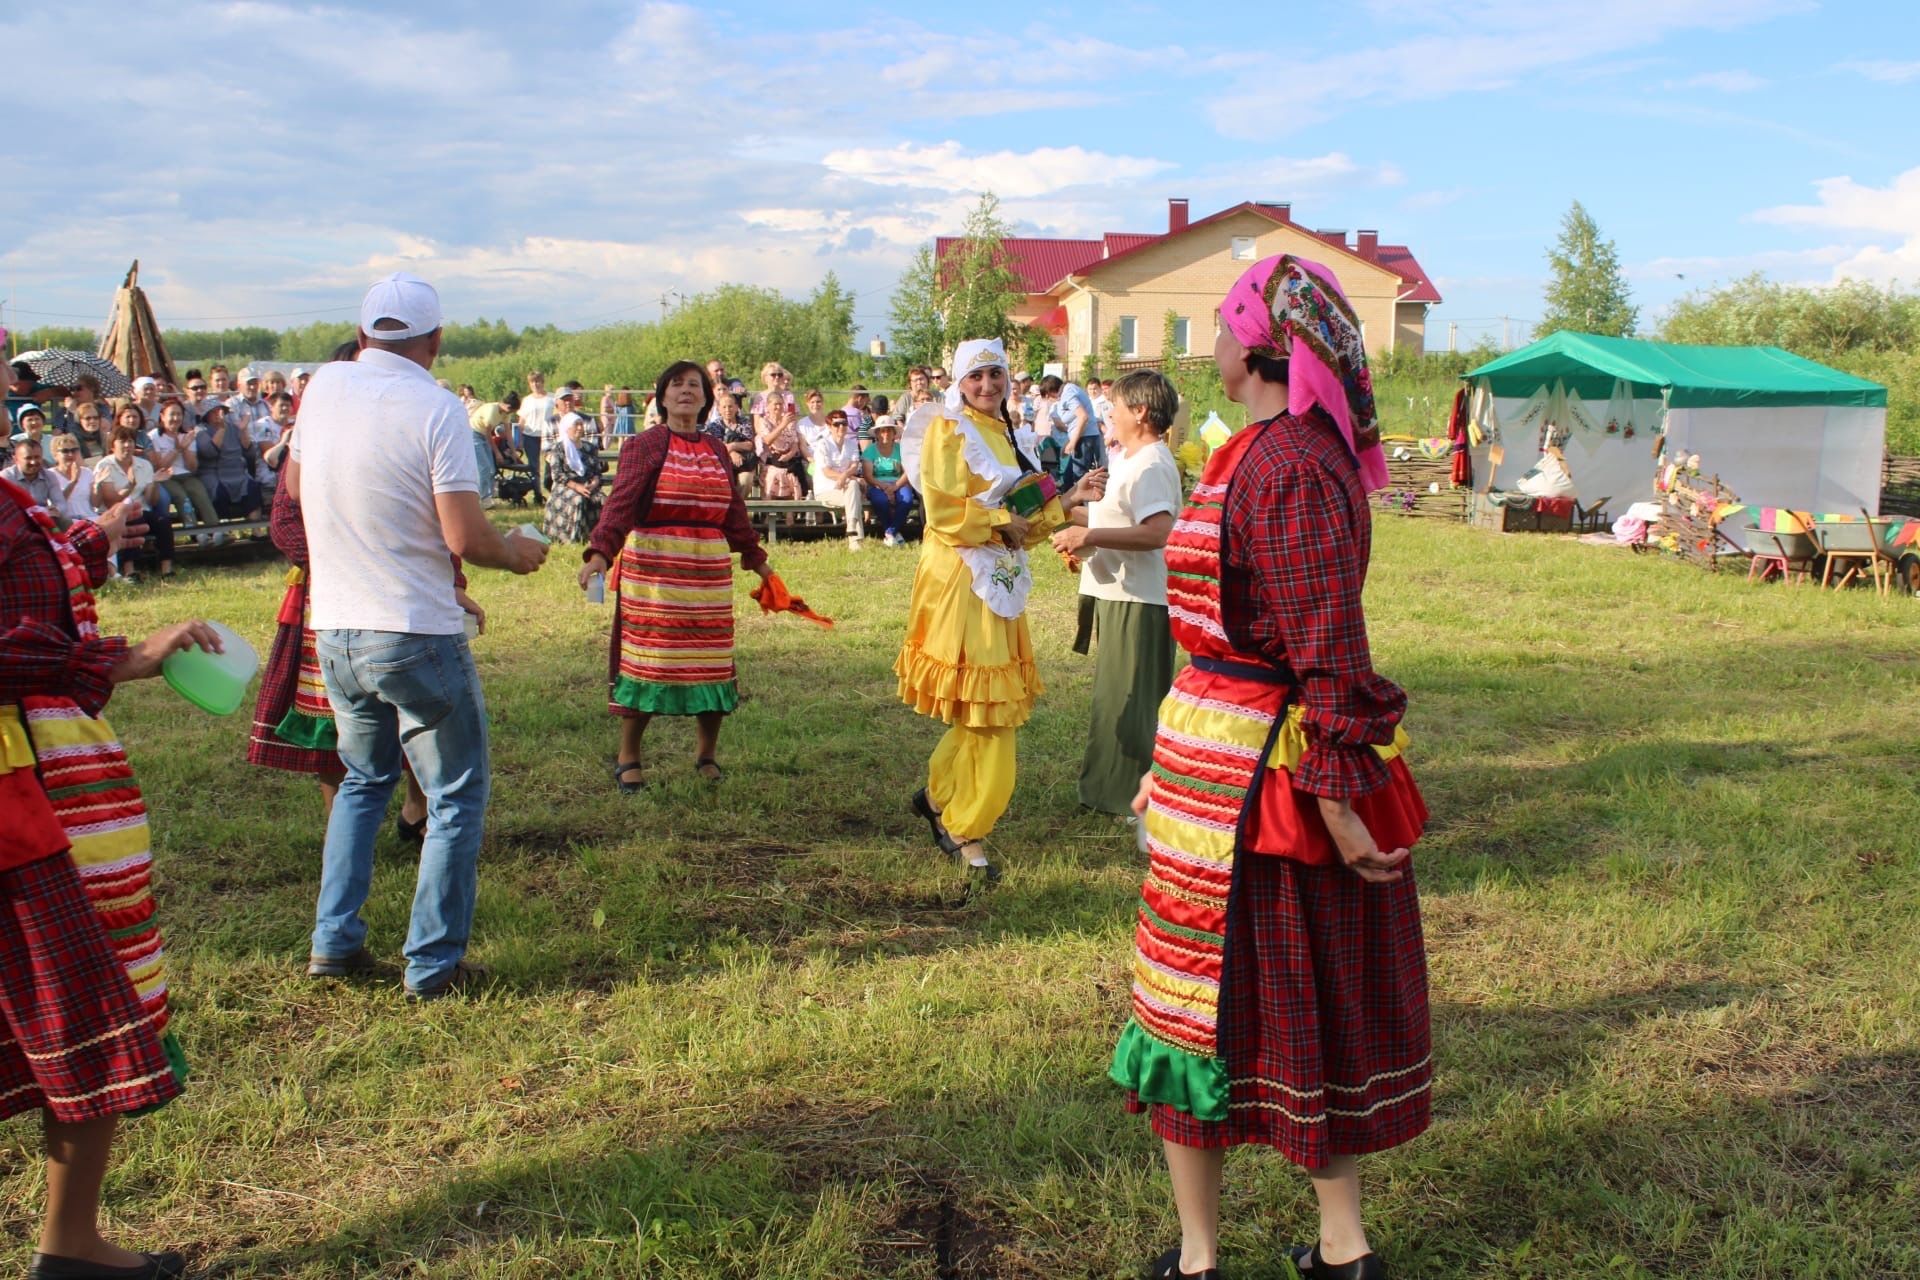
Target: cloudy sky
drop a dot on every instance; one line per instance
(574, 162)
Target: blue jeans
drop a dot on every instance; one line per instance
(891, 511)
(391, 693)
(483, 459)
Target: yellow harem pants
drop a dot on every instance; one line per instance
(970, 780)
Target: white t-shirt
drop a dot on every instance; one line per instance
(110, 470)
(1143, 483)
(379, 438)
(536, 416)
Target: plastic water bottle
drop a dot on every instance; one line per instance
(597, 589)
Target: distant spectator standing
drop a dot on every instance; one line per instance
(246, 408)
(1066, 411)
(384, 469)
(859, 414)
(536, 424)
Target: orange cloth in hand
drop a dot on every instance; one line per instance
(775, 598)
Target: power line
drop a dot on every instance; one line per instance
(261, 315)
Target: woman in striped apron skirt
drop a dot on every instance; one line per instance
(667, 536)
(1279, 975)
(293, 725)
(83, 992)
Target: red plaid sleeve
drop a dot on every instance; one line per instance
(39, 655)
(1297, 539)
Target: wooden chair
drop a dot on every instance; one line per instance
(1858, 550)
(1592, 518)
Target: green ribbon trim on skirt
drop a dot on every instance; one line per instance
(1157, 1072)
(676, 699)
(299, 729)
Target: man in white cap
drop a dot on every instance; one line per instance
(390, 626)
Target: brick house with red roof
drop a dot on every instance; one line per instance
(1081, 290)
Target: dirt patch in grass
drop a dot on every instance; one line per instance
(965, 1242)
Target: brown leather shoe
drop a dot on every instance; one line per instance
(464, 976)
(357, 965)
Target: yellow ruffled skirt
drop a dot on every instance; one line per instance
(962, 663)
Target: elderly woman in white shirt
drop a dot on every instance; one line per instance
(1120, 538)
(839, 473)
(72, 480)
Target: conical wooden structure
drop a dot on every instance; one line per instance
(133, 342)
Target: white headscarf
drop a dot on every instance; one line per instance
(975, 353)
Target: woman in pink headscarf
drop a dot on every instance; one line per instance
(1279, 977)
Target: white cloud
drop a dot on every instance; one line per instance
(1722, 82)
(947, 166)
(1886, 219)
(1468, 47)
(1883, 71)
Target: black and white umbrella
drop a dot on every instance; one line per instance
(64, 369)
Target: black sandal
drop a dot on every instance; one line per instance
(704, 763)
(620, 772)
(1167, 1267)
(924, 807)
(1308, 1262)
(412, 832)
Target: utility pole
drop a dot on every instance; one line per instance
(1506, 334)
(1453, 336)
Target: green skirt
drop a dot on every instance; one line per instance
(1132, 671)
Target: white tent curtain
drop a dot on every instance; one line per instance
(1805, 457)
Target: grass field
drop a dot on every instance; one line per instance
(1671, 893)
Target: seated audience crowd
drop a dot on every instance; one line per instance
(210, 450)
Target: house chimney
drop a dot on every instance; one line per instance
(1333, 236)
(1284, 210)
(1367, 245)
(1176, 216)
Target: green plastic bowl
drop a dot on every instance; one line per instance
(214, 682)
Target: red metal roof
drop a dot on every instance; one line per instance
(1042, 263)
(1397, 257)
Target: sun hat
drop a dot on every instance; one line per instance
(26, 410)
(408, 299)
(887, 422)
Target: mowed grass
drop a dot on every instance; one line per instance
(1670, 893)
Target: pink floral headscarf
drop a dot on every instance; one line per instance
(1293, 310)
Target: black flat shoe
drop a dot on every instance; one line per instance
(158, 1266)
(1308, 1262)
(412, 832)
(924, 807)
(1167, 1267)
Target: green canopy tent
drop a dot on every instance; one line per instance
(1779, 430)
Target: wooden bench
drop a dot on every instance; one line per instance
(771, 517)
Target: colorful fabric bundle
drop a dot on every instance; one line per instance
(1031, 494)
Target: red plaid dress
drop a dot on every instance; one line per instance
(1275, 992)
(77, 1036)
(291, 686)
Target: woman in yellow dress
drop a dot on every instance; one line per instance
(967, 659)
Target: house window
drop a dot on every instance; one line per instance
(1129, 332)
(1243, 248)
(1182, 340)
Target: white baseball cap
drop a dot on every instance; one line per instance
(299, 373)
(408, 299)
